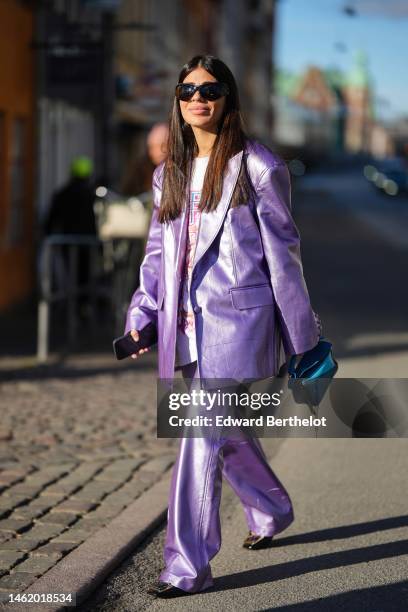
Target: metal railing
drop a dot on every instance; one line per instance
(113, 262)
(50, 258)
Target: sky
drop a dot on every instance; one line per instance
(308, 32)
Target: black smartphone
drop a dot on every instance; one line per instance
(124, 346)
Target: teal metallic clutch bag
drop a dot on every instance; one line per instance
(313, 373)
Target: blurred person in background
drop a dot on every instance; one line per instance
(157, 143)
(71, 209)
(222, 279)
(72, 212)
(138, 178)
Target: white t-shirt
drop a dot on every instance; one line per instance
(186, 349)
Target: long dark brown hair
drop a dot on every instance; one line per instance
(182, 148)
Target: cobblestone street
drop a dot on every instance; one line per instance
(77, 445)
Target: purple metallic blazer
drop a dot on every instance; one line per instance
(250, 299)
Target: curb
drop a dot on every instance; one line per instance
(85, 568)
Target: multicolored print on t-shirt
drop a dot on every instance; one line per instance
(185, 318)
(186, 339)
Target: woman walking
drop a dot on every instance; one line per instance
(222, 279)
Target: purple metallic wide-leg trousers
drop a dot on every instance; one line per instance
(193, 522)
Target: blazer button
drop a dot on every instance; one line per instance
(197, 309)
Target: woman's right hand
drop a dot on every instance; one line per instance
(135, 335)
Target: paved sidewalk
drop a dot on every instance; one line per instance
(77, 446)
(347, 549)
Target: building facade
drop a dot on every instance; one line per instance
(16, 152)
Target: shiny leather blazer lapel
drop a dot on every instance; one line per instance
(210, 223)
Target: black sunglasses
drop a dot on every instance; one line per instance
(208, 91)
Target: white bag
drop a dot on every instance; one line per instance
(127, 219)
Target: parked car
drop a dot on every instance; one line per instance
(389, 174)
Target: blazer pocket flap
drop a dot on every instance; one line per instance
(249, 297)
